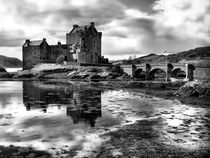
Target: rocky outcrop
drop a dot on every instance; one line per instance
(25, 74)
(97, 73)
(2, 69)
(194, 89)
(74, 72)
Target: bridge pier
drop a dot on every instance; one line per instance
(169, 69)
(148, 68)
(134, 68)
(189, 72)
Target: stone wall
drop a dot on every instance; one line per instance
(72, 38)
(202, 73)
(89, 43)
(57, 50)
(31, 56)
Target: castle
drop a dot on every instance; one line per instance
(83, 45)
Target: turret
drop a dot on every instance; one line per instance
(28, 42)
(92, 24)
(75, 26)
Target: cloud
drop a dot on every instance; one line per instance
(141, 5)
(128, 26)
(11, 38)
(187, 19)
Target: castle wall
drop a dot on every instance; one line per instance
(89, 42)
(72, 38)
(31, 56)
(84, 57)
(44, 48)
(55, 51)
(202, 73)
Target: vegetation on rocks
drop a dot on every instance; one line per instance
(22, 152)
(60, 59)
(194, 89)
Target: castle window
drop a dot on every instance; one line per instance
(94, 44)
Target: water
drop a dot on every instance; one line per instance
(55, 116)
(13, 69)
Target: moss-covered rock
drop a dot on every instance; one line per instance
(194, 89)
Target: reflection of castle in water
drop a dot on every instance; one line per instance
(86, 107)
(81, 105)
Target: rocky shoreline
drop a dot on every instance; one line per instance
(108, 76)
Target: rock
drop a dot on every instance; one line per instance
(2, 69)
(32, 155)
(24, 74)
(117, 69)
(193, 89)
(95, 77)
(207, 94)
(115, 74)
(94, 69)
(72, 73)
(6, 75)
(105, 74)
(125, 77)
(201, 90)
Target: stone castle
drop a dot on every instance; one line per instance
(83, 45)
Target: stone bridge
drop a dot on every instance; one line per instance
(148, 70)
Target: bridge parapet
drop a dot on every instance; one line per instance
(169, 69)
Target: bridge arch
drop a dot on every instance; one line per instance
(157, 74)
(178, 73)
(139, 73)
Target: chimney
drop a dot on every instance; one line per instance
(44, 39)
(100, 34)
(92, 24)
(75, 26)
(28, 41)
(59, 43)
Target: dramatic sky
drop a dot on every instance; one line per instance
(130, 27)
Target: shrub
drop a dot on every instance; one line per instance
(117, 69)
(60, 59)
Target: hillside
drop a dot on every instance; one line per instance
(201, 53)
(10, 62)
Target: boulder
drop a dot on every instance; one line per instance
(6, 75)
(194, 89)
(24, 74)
(117, 69)
(207, 94)
(2, 69)
(125, 77)
(105, 74)
(95, 77)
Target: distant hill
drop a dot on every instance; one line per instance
(201, 53)
(10, 62)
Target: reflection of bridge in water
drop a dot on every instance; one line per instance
(148, 71)
(81, 105)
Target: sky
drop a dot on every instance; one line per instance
(129, 27)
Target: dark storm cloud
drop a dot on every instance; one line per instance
(102, 14)
(11, 40)
(140, 25)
